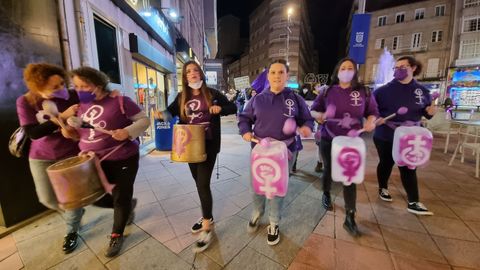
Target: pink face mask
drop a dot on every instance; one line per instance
(346, 76)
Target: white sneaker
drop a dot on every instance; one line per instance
(273, 235)
(418, 208)
(385, 195)
(203, 241)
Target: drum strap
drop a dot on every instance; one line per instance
(111, 152)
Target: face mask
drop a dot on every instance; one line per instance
(345, 76)
(400, 74)
(62, 93)
(85, 97)
(305, 90)
(196, 85)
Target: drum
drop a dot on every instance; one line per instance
(76, 181)
(188, 143)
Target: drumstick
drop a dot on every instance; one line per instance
(254, 140)
(76, 122)
(400, 111)
(51, 110)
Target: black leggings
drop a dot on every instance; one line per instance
(122, 173)
(384, 170)
(202, 173)
(349, 192)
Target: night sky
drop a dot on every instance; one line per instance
(329, 19)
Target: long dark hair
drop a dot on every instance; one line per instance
(355, 83)
(413, 63)
(186, 93)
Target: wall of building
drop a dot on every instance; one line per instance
(426, 50)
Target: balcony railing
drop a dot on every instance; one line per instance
(281, 54)
(409, 49)
(284, 39)
(433, 75)
(467, 61)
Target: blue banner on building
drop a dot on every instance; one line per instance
(359, 37)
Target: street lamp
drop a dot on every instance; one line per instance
(289, 15)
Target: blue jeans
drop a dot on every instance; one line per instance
(275, 204)
(47, 196)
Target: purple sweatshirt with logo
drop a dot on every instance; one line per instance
(53, 146)
(107, 114)
(394, 95)
(351, 107)
(267, 113)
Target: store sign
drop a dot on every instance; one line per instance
(211, 77)
(154, 18)
(242, 82)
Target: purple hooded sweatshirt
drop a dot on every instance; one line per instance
(267, 113)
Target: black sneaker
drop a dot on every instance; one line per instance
(203, 241)
(273, 235)
(115, 245)
(131, 217)
(253, 224)
(70, 242)
(197, 227)
(385, 195)
(418, 208)
(327, 201)
(349, 225)
(319, 167)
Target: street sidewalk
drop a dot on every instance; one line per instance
(168, 206)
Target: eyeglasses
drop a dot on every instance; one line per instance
(401, 67)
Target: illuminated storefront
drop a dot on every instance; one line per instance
(464, 86)
(150, 92)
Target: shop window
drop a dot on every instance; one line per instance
(150, 94)
(107, 51)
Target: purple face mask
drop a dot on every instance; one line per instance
(400, 74)
(62, 93)
(85, 97)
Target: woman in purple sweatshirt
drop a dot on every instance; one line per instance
(402, 91)
(199, 104)
(353, 102)
(120, 150)
(266, 113)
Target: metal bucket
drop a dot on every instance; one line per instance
(76, 181)
(188, 143)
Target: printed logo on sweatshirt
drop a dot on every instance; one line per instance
(192, 107)
(419, 96)
(356, 98)
(290, 104)
(90, 116)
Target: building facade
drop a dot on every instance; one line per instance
(422, 29)
(137, 44)
(276, 34)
